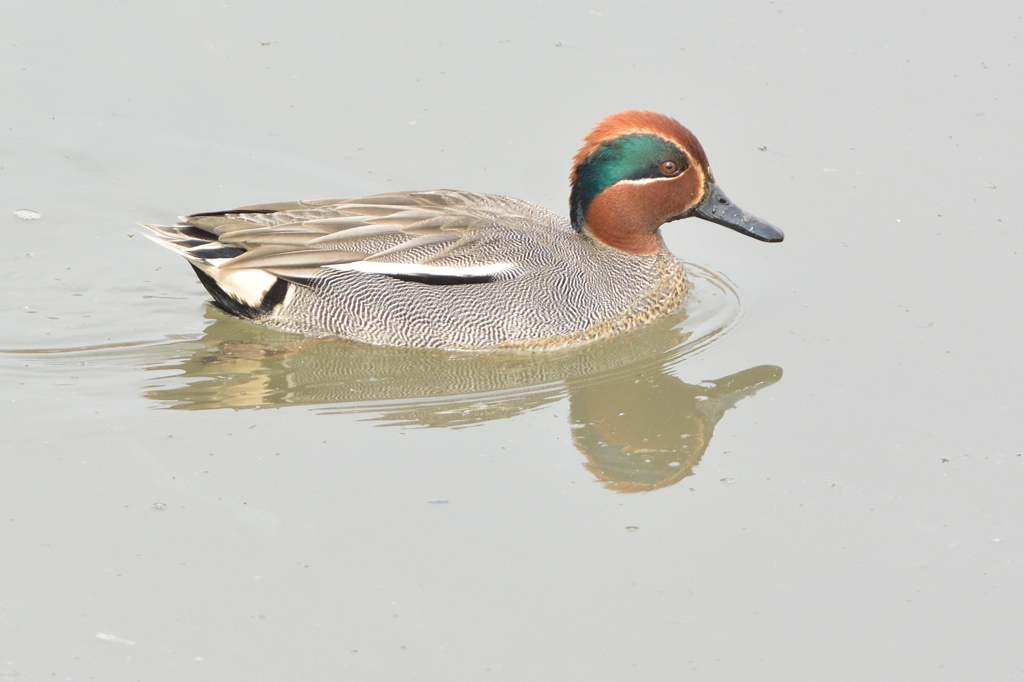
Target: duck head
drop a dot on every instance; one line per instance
(638, 170)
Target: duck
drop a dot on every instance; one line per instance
(465, 271)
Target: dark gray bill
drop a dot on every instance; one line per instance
(717, 208)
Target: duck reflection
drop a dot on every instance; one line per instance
(639, 427)
(649, 431)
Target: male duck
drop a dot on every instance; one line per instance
(457, 270)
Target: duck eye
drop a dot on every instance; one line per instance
(669, 167)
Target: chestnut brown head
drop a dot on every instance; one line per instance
(638, 170)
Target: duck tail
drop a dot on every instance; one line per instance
(248, 293)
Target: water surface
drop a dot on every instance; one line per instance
(186, 496)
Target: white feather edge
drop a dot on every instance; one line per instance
(378, 268)
(251, 286)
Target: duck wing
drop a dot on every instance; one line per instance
(437, 237)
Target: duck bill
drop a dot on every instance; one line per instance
(717, 208)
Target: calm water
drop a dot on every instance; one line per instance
(812, 472)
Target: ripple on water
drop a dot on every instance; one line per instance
(638, 426)
(236, 364)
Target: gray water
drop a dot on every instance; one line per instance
(812, 473)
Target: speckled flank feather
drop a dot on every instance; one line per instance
(440, 269)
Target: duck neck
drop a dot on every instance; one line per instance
(615, 218)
